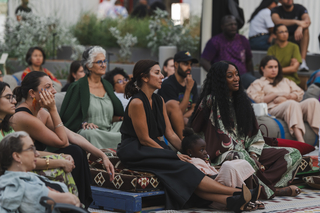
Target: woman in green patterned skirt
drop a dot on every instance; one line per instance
(225, 116)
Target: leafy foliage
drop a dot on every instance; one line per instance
(37, 31)
(125, 43)
(163, 32)
(92, 31)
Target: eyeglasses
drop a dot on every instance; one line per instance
(281, 32)
(9, 97)
(32, 148)
(122, 81)
(100, 62)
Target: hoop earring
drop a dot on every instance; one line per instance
(34, 103)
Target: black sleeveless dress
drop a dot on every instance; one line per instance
(81, 173)
(180, 179)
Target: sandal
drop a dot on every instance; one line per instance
(250, 207)
(238, 203)
(291, 190)
(260, 204)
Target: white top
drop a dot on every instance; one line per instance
(123, 100)
(261, 22)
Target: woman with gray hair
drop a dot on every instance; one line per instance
(21, 190)
(90, 106)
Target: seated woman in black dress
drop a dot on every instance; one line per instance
(145, 121)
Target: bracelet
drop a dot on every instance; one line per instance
(47, 162)
(61, 154)
(59, 125)
(120, 118)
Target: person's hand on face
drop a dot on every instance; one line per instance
(189, 82)
(47, 99)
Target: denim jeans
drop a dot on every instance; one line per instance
(260, 42)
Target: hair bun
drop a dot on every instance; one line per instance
(188, 132)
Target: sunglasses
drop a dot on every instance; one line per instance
(101, 62)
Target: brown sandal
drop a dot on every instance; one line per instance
(260, 204)
(250, 206)
(291, 190)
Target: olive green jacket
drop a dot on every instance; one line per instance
(75, 104)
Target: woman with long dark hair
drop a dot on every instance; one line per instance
(75, 73)
(48, 131)
(261, 26)
(225, 116)
(283, 97)
(145, 121)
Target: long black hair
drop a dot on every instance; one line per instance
(216, 85)
(75, 65)
(264, 62)
(5, 124)
(263, 4)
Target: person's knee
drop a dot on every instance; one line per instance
(293, 103)
(312, 101)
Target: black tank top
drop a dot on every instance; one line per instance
(39, 146)
(155, 119)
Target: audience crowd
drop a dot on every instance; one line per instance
(206, 149)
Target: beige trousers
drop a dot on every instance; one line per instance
(295, 113)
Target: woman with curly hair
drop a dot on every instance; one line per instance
(225, 116)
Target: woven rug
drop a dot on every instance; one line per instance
(307, 202)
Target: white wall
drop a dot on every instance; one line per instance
(68, 11)
(312, 6)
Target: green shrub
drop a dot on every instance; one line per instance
(92, 31)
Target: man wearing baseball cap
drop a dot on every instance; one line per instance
(179, 91)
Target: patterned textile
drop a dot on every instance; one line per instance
(312, 181)
(280, 163)
(306, 164)
(59, 175)
(27, 70)
(124, 179)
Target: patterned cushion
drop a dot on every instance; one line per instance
(124, 179)
(312, 181)
(306, 164)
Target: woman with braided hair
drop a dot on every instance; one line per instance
(225, 116)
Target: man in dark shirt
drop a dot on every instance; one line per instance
(24, 8)
(297, 20)
(230, 46)
(179, 92)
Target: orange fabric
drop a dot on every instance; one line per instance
(27, 70)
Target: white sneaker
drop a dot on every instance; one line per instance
(303, 66)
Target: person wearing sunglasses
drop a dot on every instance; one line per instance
(287, 53)
(21, 190)
(119, 79)
(90, 106)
